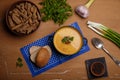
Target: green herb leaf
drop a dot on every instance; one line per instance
(71, 38)
(19, 59)
(20, 65)
(19, 62)
(67, 39)
(56, 10)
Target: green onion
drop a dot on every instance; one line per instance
(105, 32)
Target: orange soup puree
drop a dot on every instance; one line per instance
(72, 47)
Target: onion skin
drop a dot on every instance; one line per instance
(82, 11)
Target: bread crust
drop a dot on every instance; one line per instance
(42, 57)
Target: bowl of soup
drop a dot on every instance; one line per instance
(67, 40)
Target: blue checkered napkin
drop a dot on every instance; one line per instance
(56, 58)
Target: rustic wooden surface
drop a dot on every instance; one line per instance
(106, 12)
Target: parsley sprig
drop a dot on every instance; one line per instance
(67, 39)
(19, 62)
(56, 10)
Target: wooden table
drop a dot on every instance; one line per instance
(106, 12)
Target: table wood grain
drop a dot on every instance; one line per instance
(106, 12)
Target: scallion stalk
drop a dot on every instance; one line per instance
(105, 32)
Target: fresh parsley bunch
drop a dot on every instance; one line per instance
(56, 10)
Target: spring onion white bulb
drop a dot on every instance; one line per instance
(105, 32)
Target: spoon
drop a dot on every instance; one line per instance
(99, 45)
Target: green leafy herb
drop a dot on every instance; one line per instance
(19, 62)
(67, 39)
(19, 59)
(71, 38)
(56, 10)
